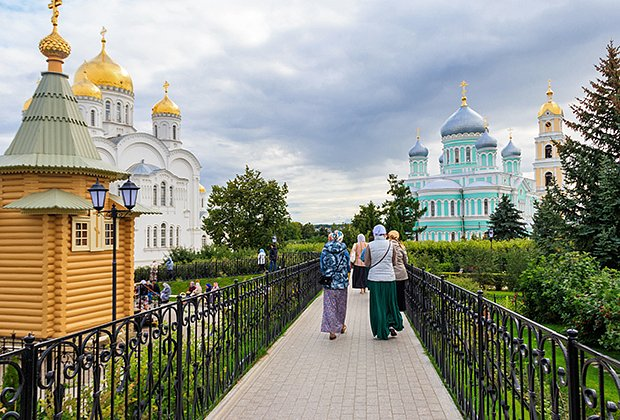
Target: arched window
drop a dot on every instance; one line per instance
(155, 130)
(163, 193)
(432, 209)
(108, 110)
(548, 179)
(148, 236)
(452, 207)
(171, 196)
(204, 240)
(92, 117)
(484, 159)
(452, 236)
(457, 156)
(118, 111)
(548, 151)
(126, 114)
(154, 195)
(486, 207)
(468, 154)
(163, 235)
(447, 156)
(154, 236)
(509, 167)
(171, 241)
(178, 234)
(174, 132)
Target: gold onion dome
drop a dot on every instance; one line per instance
(53, 46)
(550, 105)
(103, 71)
(84, 87)
(166, 105)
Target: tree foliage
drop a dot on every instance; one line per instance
(506, 221)
(548, 230)
(247, 211)
(368, 217)
(403, 211)
(589, 201)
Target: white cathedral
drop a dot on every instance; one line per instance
(168, 174)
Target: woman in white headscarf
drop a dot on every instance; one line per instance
(360, 271)
(385, 318)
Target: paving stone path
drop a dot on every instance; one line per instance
(307, 376)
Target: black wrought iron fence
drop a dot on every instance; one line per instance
(172, 362)
(501, 365)
(223, 267)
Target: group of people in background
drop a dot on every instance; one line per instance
(378, 266)
(273, 258)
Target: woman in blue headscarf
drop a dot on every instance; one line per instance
(335, 264)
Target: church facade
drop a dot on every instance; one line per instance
(167, 173)
(474, 176)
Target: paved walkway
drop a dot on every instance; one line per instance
(307, 376)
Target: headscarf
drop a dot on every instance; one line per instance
(261, 251)
(378, 230)
(330, 237)
(361, 238)
(395, 236)
(337, 235)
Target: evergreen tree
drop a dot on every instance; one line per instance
(403, 211)
(589, 201)
(367, 218)
(506, 221)
(549, 228)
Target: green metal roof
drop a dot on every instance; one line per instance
(53, 137)
(52, 201)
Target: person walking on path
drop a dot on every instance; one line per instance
(360, 271)
(170, 268)
(273, 257)
(399, 268)
(385, 318)
(261, 260)
(335, 264)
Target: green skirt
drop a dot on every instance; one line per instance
(384, 311)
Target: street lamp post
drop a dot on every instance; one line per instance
(490, 235)
(129, 193)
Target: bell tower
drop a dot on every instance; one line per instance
(547, 166)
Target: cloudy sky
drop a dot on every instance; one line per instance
(325, 95)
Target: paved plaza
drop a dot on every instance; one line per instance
(307, 376)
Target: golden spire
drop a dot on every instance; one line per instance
(510, 134)
(103, 32)
(549, 91)
(418, 133)
(463, 92)
(486, 123)
(166, 86)
(53, 46)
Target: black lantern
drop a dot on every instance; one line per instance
(129, 192)
(97, 195)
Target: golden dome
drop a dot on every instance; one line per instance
(103, 71)
(27, 104)
(53, 46)
(201, 188)
(550, 105)
(84, 87)
(166, 106)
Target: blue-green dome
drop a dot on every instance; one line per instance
(441, 158)
(418, 150)
(511, 151)
(464, 120)
(485, 141)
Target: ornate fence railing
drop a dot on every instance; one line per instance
(172, 362)
(221, 267)
(501, 365)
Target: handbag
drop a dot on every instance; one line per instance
(382, 258)
(327, 280)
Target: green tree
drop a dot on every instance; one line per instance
(367, 218)
(291, 231)
(548, 230)
(589, 200)
(308, 231)
(403, 211)
(247, 211)
(506, 221)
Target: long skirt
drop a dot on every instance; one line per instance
(384, 311)
(400, 294)
(359, 277)
(334, 310)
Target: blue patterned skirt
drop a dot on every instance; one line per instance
(334, 310)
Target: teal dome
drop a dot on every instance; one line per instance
(485, 141)
(465, 120)
(511, 151)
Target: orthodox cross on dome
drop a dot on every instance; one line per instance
(53, 6)
(463, 92)
(510, 133)
(418, 133)
(166, 86)
(103, 32)
(485, 123)
(549, 91)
